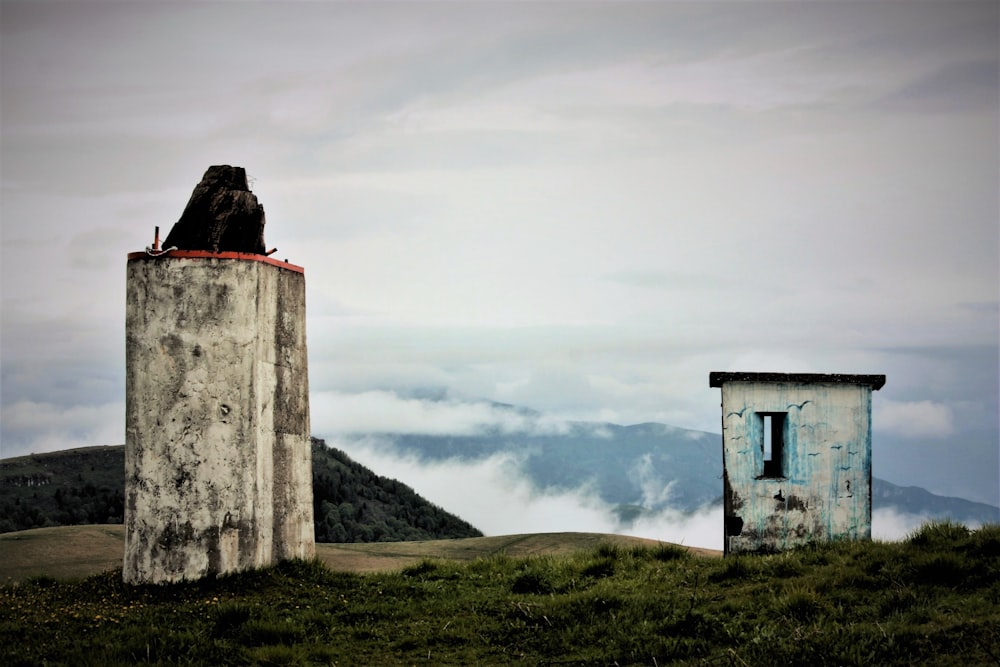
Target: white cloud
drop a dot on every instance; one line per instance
(496, 496)
(927, 419)
(491, 493)
(890, 525)
(387, 412)
(702, 528)
(33, 427)
(654, 492)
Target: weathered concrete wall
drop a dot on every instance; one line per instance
(217, 455)
(824, 489)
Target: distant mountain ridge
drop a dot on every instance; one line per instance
(350, 502)
(642, 468)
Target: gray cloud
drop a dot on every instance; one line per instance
(383, 412)
(968, 86)
(579, 208)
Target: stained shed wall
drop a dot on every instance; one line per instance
(217, 452)
(824, 491)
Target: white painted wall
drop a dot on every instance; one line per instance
(825, 490)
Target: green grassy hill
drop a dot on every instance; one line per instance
(933, 599)
(75, 552)
(87, 486)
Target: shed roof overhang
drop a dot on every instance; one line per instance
(718, 378)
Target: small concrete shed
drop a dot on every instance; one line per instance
(796, 456)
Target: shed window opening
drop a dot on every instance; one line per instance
(773, 443)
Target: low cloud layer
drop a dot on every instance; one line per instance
(496, 496)
(494, 493)
(891, 525)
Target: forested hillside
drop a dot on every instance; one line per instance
(353, 504)
(86, 486)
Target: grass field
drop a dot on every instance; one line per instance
(933, 599)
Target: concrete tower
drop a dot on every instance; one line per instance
(218, 468)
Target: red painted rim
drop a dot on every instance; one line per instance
(205, 254)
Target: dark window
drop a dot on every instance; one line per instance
(773, 443)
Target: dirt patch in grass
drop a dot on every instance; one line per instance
(62, 552)
(69, 552)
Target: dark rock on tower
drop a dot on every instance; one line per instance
(221, 216)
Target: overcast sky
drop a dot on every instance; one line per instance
(583, 208)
